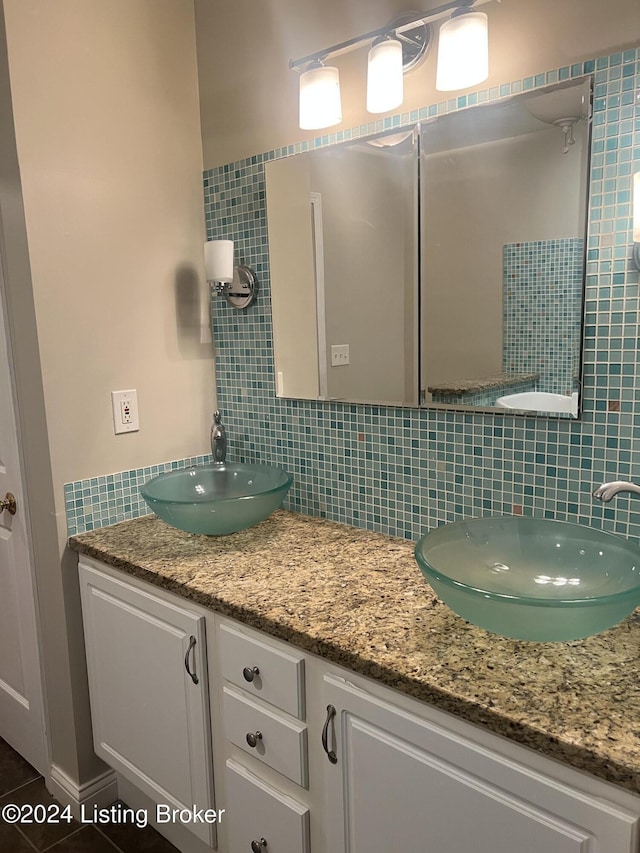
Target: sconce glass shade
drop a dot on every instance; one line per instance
(384, 76)
(218, 260)
(320, 104)
(463, 51)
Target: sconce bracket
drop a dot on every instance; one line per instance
(415, 40)
(242, 291)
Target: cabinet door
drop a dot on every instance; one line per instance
(150, 715)
(401, 783)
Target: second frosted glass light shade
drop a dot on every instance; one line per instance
(463, 52)
(320, 104)
(384, 76)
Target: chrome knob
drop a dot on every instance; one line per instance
(249, 673)
(259, 846)
(8, 504)
(253, 738)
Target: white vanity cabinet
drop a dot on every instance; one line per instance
(384, 773)
(403, 782)
(148, 685)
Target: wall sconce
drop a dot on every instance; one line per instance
(635, 252)
(463, 61)
(238, 285)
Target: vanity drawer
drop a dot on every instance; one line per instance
(280, 676)
(256, 811)
(280, 743)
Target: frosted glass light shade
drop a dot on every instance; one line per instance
(384, 76)
(463, 52)
(218, 260)
(320, 104)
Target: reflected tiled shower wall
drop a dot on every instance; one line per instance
(402, 471)
(542, 300)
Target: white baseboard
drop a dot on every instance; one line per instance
(100, 791)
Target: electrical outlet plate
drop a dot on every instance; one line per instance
(125, 411)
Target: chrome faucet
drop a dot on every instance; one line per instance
(607, 491)
(218, 439)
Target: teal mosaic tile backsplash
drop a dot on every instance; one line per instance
(402, 471)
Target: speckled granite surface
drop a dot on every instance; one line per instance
(473, 386)
(358, 599)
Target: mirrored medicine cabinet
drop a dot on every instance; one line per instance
(438, 265)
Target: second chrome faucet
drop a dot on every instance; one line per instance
(607, 491)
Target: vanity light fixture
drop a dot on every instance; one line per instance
(636, 221)
(396, 49)
(238, 285)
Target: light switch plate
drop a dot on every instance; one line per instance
(339, 355)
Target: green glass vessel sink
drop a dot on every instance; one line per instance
(218, 498)
(532, 579)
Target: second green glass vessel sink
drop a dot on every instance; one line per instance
(218, 498)
(532, 579)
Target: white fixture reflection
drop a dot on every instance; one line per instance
(558, 581)
(636, 220)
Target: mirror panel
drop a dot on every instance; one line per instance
(343, 232)
(442, 265)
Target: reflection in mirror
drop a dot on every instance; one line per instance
(492, 314)
(503, 217)
(342, 246)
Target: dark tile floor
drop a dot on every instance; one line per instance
(21, 785)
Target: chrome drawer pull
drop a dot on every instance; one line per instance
(249, 673)
(331, 755)
(252, 739)
(192, 645)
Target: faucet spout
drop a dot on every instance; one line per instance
(218, 439)
(607, 491)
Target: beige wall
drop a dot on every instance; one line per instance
(249, 95)
(105, 99)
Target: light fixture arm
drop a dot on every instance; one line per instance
(408, 23)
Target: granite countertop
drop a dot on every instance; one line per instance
(357, 599)
(460, 387)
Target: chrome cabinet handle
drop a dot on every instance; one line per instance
(253, 738)
(249, 673)
(258, 846)
(9, 503)
(331, 755)
(192, 645)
